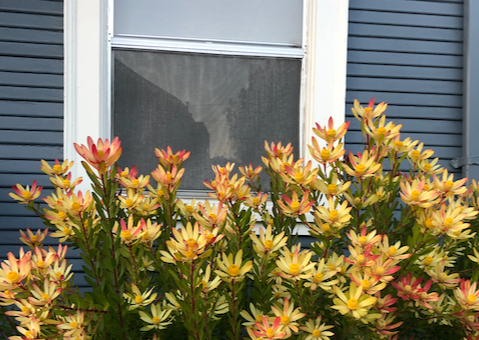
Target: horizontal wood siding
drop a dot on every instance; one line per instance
(408, 53)
(31, 106)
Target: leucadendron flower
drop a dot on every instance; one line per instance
(233, 270)
(101, 155)
(354, 303)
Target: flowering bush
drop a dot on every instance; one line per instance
(394, 256)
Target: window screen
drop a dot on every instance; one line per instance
(221, 108)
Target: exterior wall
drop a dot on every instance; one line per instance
(31, 105)
(410, 55)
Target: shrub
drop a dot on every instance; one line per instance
(394, 251)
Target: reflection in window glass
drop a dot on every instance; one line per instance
(221, 108)
(265, 21)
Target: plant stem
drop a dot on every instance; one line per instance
(192, 300)
(233, 309)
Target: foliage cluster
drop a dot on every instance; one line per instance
(395, 254)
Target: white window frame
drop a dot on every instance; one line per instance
(87, 69)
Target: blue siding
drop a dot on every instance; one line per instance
(31, 104)
(410, 55)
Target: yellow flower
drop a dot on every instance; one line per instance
(316, 330)
(211, 216)
(65, 183)
(328, 154)
(417, 154)
(57, 169)
(296, 265)
(267, 243)
(333, 187)
(158, 318)
(72, 324)
(382, 133)
(256, 202)
(430, 167)
(299, 176)
(449, 219)
(256, 316)
(131, 200)
(44, 297)
(353, 302)
(448, 186)
(147, 206)
(403, 146)
(138, 299)
(207, 285)
(394, 251)
(129, 233)
(335, 216)
(320, 276)
(233, 270)
(277, 150)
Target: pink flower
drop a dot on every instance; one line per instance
(101, 155)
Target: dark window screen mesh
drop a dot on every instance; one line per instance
(221, 108)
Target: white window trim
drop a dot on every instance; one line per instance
(87, 69)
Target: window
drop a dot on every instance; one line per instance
(89, 44)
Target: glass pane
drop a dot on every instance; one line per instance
(221, 108)
(266, 21)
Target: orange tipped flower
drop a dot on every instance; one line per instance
(288, 316)
(101, 155)
(129, 233)
(14, 271)
(329, 134)
(33, 240)
(299, 176)
(277, 150)
(57, 169)
(362, 166)
(250, 173)
(415, 194)
(329, 154)
(369, 112)
(168, 179)
(467, 295)
(168, 159)
(382, 133)
(264, 330)
(27, 194)
(293, 207)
